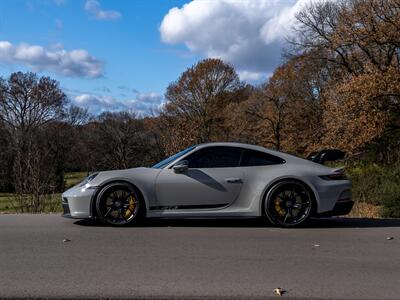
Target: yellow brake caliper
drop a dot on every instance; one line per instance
(278, 207)
(131, 207)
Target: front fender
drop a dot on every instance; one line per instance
(143, 179)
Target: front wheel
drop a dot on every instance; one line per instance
(118, 204)
(288, 204)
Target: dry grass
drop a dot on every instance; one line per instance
(365, 210)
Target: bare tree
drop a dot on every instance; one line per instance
(77, 116)
(27, 104)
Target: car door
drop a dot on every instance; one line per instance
(213, 179)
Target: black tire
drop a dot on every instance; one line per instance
(119, 204)
(288, 203)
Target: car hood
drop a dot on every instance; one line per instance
(134, 175)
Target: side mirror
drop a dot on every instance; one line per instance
(181, 166)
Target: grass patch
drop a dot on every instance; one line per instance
(74, 178)
(9, 203)
(376, 189)
(51, 203)
(6, 202)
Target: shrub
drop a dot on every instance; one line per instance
(378, 185)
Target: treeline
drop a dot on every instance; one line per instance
(338, 88)
(42, 137)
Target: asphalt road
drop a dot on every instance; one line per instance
(204, 259)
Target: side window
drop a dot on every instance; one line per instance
(253, 158)
(215, 157)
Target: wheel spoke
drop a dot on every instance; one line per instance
(286, 216)
(120, 216)
(301, 204)
(108, 211)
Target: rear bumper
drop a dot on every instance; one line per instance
(340, 208)
(331, 192)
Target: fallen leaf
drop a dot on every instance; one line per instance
(279, 291)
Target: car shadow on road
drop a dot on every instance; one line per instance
(334, 222)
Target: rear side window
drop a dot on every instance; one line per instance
(253, 158)
(215, 157)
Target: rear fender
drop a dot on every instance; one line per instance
(302, 180)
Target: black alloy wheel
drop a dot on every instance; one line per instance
(118, 204)
(289, 204)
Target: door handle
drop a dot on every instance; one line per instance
(233, 180)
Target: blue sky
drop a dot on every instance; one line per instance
(121, 54)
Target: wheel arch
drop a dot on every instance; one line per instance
(308, 185)
(139, 192)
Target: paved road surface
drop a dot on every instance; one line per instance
(198, 258)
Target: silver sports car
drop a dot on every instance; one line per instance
(212, 181)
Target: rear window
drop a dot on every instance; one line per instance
(252, 158)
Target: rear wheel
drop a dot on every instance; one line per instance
(288, 204)
(118, 204)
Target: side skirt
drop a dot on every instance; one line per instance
(209, 206)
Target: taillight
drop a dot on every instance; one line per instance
(334, 177)
(337, 174)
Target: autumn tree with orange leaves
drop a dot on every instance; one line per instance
(277, 112)
(358, 41)
(195, 103)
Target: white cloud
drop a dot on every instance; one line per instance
(144, 103)
(93, 7)
(74, 63)
(248, 33)
(251, 76)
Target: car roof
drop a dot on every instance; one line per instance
(240, 145)
(285, 156)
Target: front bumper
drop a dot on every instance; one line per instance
(77, 202)
(66, 211)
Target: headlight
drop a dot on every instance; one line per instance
(88, 179)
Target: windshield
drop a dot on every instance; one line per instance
(166, 161)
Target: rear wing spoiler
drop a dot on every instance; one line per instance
(326, 155)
